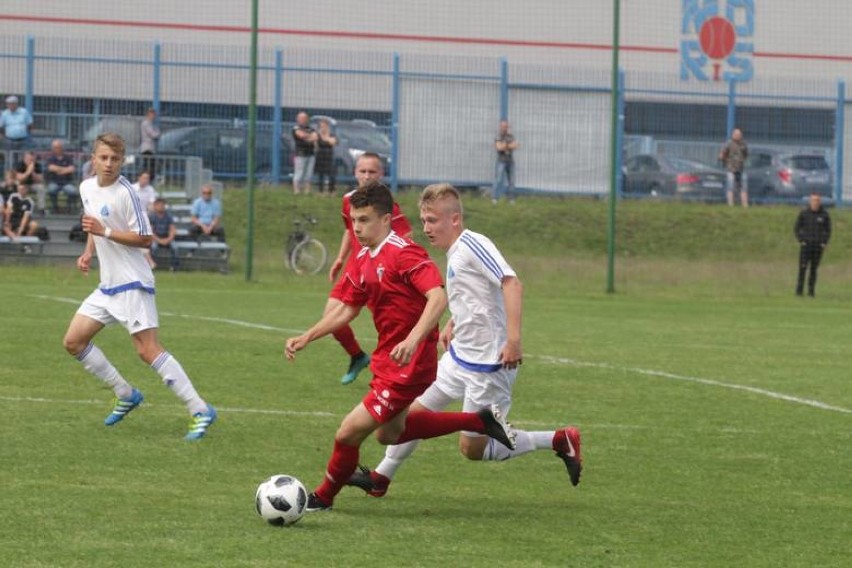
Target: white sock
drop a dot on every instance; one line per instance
(525, 442)
(176, 379)
(394, 456)
(94, 361)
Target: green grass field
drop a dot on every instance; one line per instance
(715, 409)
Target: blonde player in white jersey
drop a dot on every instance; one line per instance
(117, 225)
(482, 340)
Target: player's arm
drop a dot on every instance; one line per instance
(447, 334)
(342, 255)
(337, 316)
(84, 260)
(93, 226)
(511, 355)
(436, 303)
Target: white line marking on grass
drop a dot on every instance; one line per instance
(710, 382)
(548, 358)
(235, 410)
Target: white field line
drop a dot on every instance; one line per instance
(549, 359)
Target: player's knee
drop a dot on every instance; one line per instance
(471, 450)
(386, 438)
(73, 345)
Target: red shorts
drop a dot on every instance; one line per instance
(385, 400)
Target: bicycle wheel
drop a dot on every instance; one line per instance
(308, 257)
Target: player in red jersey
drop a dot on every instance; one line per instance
(395, 278)
(368, 167)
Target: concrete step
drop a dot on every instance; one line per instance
(58, 248)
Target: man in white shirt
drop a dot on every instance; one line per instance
(119, 231)
(147, 193)
(483, 345)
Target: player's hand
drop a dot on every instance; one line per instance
(335, 269)
(93, 225)
(84, 261)
(294, 344)
(403, 352)
(445, 337)
(511, 355)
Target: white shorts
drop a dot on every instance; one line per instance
(135, 310)
(478, 390)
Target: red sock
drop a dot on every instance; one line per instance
(425, 424)
(346, 337)
(341, 466)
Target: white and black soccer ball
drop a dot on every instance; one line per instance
(281, 500)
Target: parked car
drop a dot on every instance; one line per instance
(354, 137)
(221, 148)
(658, 175)
(782, 175)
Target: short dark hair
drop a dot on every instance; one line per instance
(375, 194)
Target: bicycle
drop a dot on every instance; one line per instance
(304, 254)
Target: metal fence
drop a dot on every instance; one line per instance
(435, 116)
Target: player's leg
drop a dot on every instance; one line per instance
(355, 428)
(90, 318)
(358, 360)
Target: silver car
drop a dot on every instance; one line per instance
(779, 175)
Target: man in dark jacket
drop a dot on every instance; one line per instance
(813, 230)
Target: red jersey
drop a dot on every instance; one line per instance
(391, 281)
(399, 224)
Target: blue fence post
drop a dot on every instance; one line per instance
(504, 89)
(839, 133)
(619, 137)
(395, 125)
(732, 107)
(155, 96)
(277, 117)
(29, 100)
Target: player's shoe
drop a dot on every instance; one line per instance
(123, 406)
(316, 504)
(201, 421)
(496, 426)
(356, 365)
(566, 444)
(373, 483)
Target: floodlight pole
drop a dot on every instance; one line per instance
(250, 146)
(613, 143)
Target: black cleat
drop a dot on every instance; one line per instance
(496, 426)
(316, 504)
(364, 479)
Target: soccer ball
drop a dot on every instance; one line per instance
(281, 500)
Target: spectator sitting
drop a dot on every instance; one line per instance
(59, 177)
(206, 216)
(164, 232)
(9, 185)
(18, 219)
(146, 192)
(28, 172)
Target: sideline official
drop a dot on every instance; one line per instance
(813, 231)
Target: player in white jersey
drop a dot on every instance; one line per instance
(118, 230)
(482, 341)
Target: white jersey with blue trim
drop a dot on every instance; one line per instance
(117, 206)
(475, 273)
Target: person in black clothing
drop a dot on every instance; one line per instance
(305, 139)
(324, 167)
(813, 231)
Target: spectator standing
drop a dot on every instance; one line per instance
(505, 144)
(150, 135)
(164, 232)
(207, 216)
(28, 172)
(147, 193)
(324, 168)
(813, 231)
(19, 213)
(60, 177)
(16, 122)
(733, 157)
(305, 140)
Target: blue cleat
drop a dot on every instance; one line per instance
(355, 366)
(201, 421)
(123, 406)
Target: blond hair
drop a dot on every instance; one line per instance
(111, 140)
(445, 192)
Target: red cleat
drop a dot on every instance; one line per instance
(566, 444)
